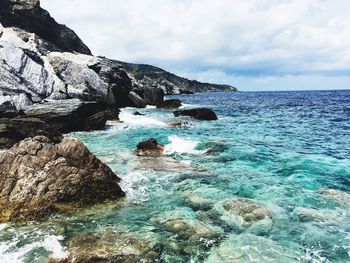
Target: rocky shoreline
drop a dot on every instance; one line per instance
(51, 85)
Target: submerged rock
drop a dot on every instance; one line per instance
(179, 124)
(319, 215)
(168, 164)
(111, 246)
(194, 230)
(170, 104)
(246, 248)
(39, 178)
(199, 114)
(137, 113)
(199, 202)
(149, 147)
(341, 198)
(245, 214)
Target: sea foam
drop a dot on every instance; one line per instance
(131, 120)
(181, 145)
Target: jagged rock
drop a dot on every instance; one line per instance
(136, 100)
(153, 96)
(111, 246)
(170, 104)
(81, 81)
(118, 81)
(28, 15)
(39, 178)
(149, 147)
(20, 71)
(199, 114)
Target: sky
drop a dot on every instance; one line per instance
(250, 44)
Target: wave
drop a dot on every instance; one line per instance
(49, 243)
(131, 120)
(181, 145)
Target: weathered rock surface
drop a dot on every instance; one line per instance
(153, 96)
(170, 104)
(149, 147)
(111, 246)
(28, 15)
(136, 100)
(53, 118)
(199, 114)
(39, 178)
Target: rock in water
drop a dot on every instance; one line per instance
(136, 100)
(111, 246)
(170, 104)
(199, 114)
(39, 178)
(153, 96)
(149, 148)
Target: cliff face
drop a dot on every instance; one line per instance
(29, 16)
(150, 76)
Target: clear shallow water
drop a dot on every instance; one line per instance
(287, 151)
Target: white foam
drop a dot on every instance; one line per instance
(181, 145)
(135, 187)
(132, 120)
(49, 243)
(3, 226)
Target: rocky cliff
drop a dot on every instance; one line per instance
(44, 63)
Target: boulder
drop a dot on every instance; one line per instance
(199, 114)
(136, 100)
(170, 104)
(39, 178)
(153, 96)
(149, 147)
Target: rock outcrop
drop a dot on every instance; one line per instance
(149, 147)
(199, 114)
(170, 104)
(51, 119)
(39, 178)
(29, 16)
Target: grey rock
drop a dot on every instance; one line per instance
(136, 100)
(153, 96)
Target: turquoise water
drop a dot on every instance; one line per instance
(287, 152)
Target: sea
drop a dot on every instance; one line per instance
(286, 154)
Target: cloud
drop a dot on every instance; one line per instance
(242, 39)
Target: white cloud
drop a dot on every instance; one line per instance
(242, 39)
